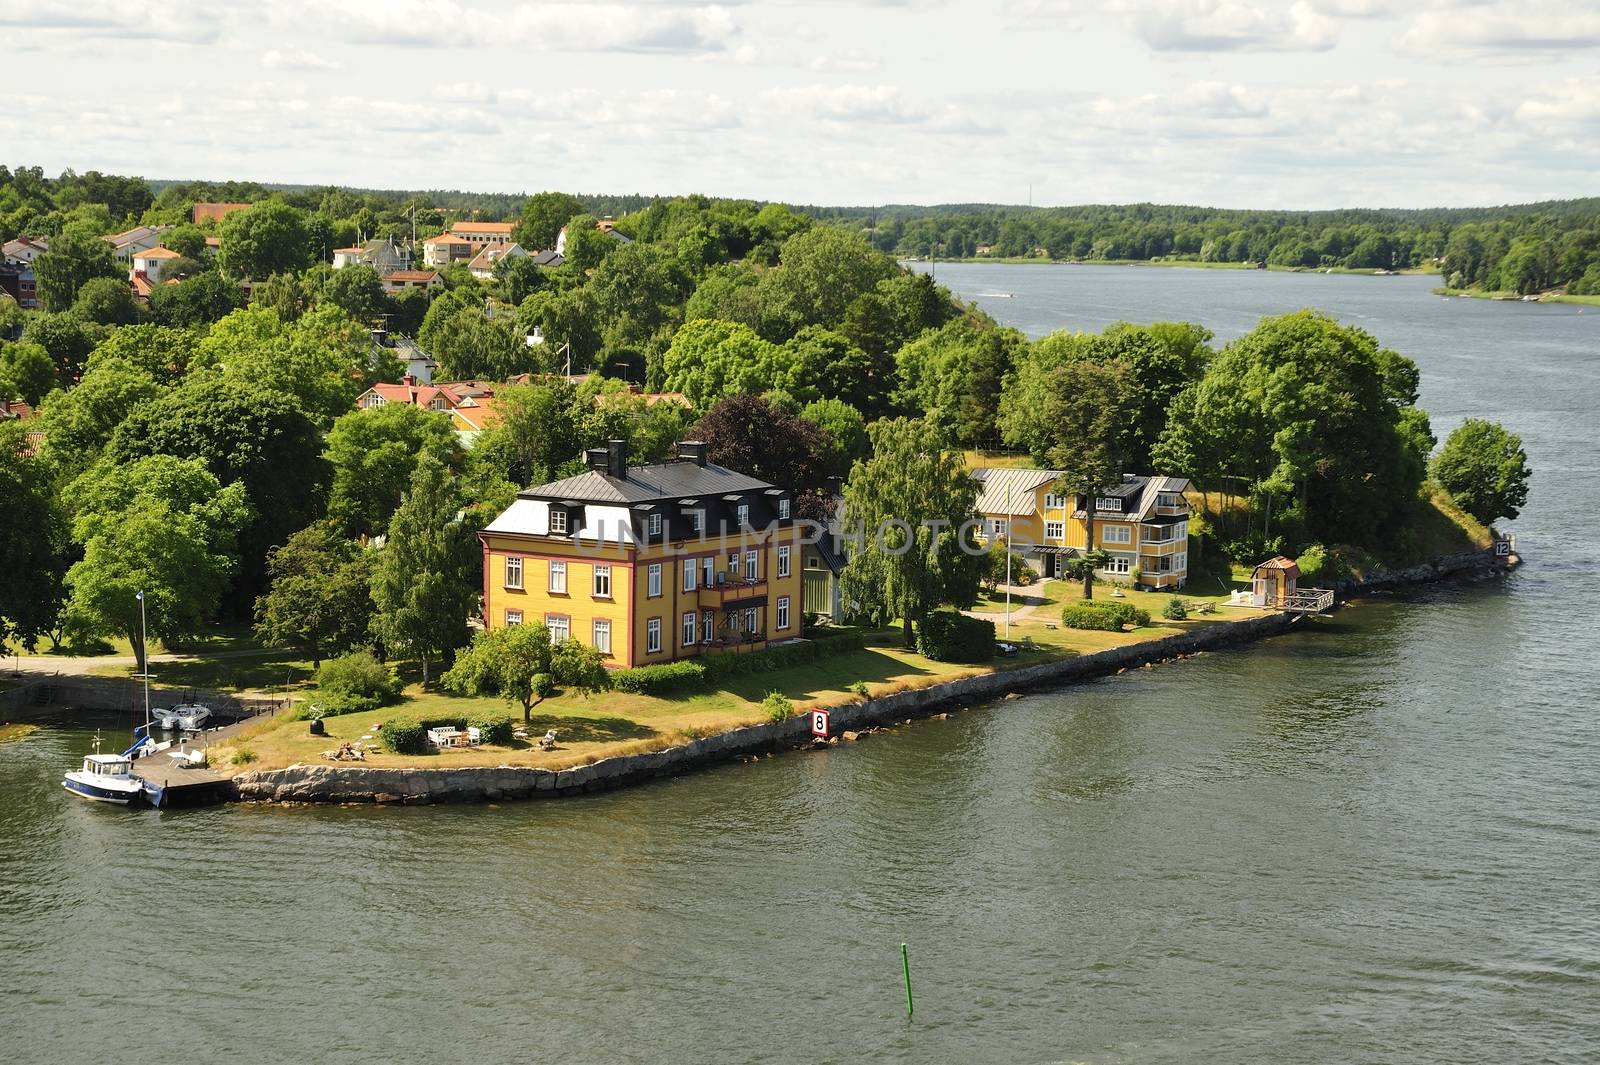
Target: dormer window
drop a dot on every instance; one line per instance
(697, 520)
(558, 523)
(742, 514)
(1111, 503)
(655, 524)
(783, 508)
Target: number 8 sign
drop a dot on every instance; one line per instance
(819, 723)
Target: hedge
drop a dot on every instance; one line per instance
(652, 680)
(409, 735)
(946, 636)
(1104, 616)
(359, 673)
(334, 703)
(814, 648)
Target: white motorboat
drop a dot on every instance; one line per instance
(167, 717)
(191, 716)
(106, 777)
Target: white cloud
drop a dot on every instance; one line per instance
(179, 22)
(1477, 30)
(844, 103)
(295, 59)
(1232, 26)
(847, 61)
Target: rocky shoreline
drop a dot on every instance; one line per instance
(423, 786)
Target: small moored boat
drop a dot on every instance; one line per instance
(167, 717)
(105, 778)
(191, 716)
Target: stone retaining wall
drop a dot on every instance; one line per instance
(343, 783)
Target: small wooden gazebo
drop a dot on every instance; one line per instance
(1276, 584)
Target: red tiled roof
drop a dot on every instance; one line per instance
(447, 238)
(214, 212)
(157, 252)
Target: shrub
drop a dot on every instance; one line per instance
(946, 636)
(243, 756)
(859, 687)
(359, 673)
(778, 707)
(1103, 616)
(409, 735)
(1312, 562)
(1176, 609)
(652, 680)
(336, 703)
(720, 664)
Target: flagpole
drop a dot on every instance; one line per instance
(144, 656)
(1009, 518)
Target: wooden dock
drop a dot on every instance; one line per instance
(170, 784)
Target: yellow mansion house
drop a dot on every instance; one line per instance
(648, 563)
(1142, 524)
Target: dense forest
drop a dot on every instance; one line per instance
(1525, 248)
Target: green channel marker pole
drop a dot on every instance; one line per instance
(905, 967)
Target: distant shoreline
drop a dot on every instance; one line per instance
(1189, 264)
(1512, 297)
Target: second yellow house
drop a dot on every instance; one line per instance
(1142, 524)
(649, 563)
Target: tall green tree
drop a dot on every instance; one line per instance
(33, 542)
(160, 526)
(957, 373)
(270, 237)
(1089, 405)
(537, 426)
(374, 454)
(107, 301)
(244, 432)
(77, 256)
(26, 371)
(521, 663)
(428, 574)
(710, 359)
(196, 301)
(1485, 470)
(543, 215)
(909, 512)
(320, 598)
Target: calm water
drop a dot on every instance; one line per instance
(1376, 841)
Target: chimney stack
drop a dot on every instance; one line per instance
(597, 459)
(692, 451)
(617, 455)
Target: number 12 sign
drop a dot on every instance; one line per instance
(819, 723)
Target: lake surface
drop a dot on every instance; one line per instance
(1375, 841)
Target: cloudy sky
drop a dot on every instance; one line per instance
(1301, 103)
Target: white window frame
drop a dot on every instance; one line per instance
(514, 572)
(691, 573)
(655, 524)
(691, 628)
(602, 635)
(741, 515)
(1055, 530)
(1124, 535)
(1054, 502)
(697, 520)
(708, 626)
(752, 570)
(558, 523)
(558, 578)
(1118, 564)
(560, 626)
(1109, 504)
(997, 528)
(709, 565)
(513, 617)
(653, 580)
(750, 619)
(783, 560)
(601, 579)
(652, 636)
(783, 508)
(783, 612)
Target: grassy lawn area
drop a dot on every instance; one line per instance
(262, 670)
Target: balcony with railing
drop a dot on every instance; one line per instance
(731, 591)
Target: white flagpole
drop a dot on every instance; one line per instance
(1008, 562)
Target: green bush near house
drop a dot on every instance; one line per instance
(1175, 610)
(358, 674)
(946, 636)
(1103, 616)
(720, 664)
(777, 707)
(409, 735)
(653, 680)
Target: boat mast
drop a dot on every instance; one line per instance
(144, 654)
